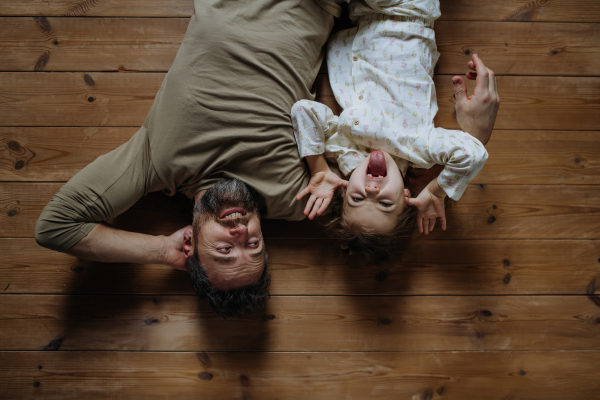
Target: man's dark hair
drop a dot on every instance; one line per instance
(229, 303)
(235, 302)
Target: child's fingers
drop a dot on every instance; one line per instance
(443, 222)
(309, 204)
(431, 224)
(344, 184)
(303, 193)
(426, 226)
(324, 206)
(420, 224)
(315, 208)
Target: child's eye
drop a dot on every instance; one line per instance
(385, 204)
(357, 199)
(254, 244)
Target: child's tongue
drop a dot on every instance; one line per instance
(377, 164)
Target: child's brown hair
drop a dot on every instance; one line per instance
(373, 245)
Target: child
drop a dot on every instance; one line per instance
(381, 74)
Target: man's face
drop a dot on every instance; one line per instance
(229, 242)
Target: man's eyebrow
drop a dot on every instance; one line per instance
(260, 254)
(226, 259)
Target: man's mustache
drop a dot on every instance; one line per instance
(233, 222)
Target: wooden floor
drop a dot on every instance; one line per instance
(504, 305)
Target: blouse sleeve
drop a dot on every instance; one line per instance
(313, 124)
(463, 156)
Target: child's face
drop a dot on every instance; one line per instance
(375, 195)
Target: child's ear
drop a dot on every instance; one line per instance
(407, 193)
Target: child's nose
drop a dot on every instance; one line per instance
(372, 189)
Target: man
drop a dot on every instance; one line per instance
(220, 132)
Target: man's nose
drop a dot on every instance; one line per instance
(239, 229)
(372, 189)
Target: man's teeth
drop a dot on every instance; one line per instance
(234, 215)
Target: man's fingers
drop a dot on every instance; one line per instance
(460, 91)
(483, 77)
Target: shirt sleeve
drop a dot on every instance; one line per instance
(313, 124)
(101, 191)
(463, 156)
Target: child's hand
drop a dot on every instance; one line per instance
(322, 186)
(429, 208)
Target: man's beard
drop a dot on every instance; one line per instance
(226, 193)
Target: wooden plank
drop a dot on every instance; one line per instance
(150, 44)
(77, 99)
(520, 48)
(54, 154)
(517, 157)
(290, 323)
(484, 212)
(318, 267)
(527, 102)
(90, 44)
(459, 10)
(419, 376)
(68, 99)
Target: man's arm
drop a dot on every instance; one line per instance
(74, 220)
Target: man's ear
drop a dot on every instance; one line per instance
(188, 247)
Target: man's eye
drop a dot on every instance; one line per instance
(357, 199)
(385, 204)
(224, 249)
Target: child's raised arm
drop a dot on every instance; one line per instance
(430, 206)
(322, 186)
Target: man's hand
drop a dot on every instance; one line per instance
(429, 208)
(172, 250)
(476, 114)
(322, 186)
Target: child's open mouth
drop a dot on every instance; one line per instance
(377, 168)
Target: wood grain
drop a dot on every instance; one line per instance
(553, 103)
(150, 44)
(516, 157)
(54, 154)
(319, 267)
(68, 99)
(457, 10)
(90, 44)
(290, 323)
(516, 48)
(484, 212)
(418, 376)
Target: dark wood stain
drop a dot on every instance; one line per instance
(36, 384)
(205, 376)
(19, 164)
(152, 321)
(384, 321)
(440, 390)
(43, 23)
(381, 276)
(522, 373)
(88, 80)
(591, 289)
(491, 219)
(91, 99)
(204, 359)
(7, 286)
(40, 367)
(506, 263)
(13, 212)
(506, 279)
(485, 313)
(13, 145)
(54, 345)
(42, 61)
(427, 395)
(527, 12)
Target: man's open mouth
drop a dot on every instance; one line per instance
(233, 213)
(377, 168)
